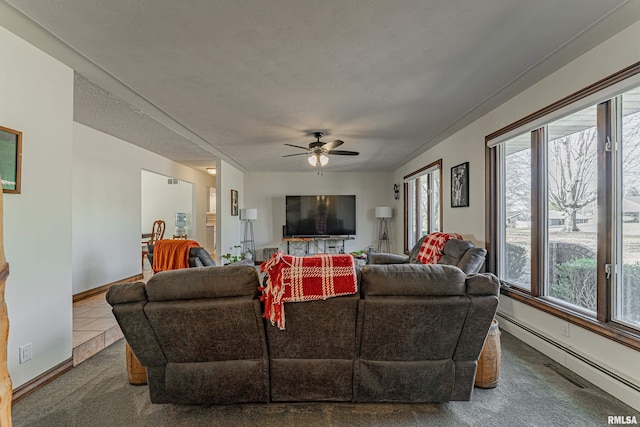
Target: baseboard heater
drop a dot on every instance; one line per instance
(571, 352)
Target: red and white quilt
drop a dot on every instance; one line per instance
(295, 279)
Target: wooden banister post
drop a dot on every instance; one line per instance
(5, 380)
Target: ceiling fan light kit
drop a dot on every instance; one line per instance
(318, 152)
(315, 159)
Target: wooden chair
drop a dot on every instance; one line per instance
(157, 233)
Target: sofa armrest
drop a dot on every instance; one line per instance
(126, 293)
(483, 284)
(483, 291)
(382, 258)
(128, 301)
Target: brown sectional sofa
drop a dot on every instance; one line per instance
(413, 333)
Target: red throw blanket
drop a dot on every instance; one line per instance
(172, 254)
(431, 249)
(295, 279)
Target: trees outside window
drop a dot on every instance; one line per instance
(566, 216)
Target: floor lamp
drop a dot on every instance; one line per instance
(248, 215)
(383, 213)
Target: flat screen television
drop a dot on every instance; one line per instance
(314, 216)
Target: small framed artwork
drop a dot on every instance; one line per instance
(460, 185)
(10, 159)
(234, 202)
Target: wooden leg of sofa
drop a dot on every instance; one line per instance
(136, 372)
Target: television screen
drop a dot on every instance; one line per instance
(320, 216)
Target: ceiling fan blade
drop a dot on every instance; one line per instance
(297, 146)
(297, 154)
(343, 153)
(333, 144)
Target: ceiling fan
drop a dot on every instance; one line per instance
(318, 151)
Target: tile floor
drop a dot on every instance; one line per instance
(94, 327)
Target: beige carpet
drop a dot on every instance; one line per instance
(532, 391)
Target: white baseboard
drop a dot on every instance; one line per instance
(601, 376)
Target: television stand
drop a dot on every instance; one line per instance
(325, 240)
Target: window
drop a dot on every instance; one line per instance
(516, 232)
(627, 259)
(564, 208)
(422, 203)
(571, 211)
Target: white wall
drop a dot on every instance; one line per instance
(267, 191)
(615, 54)
(76, 224)
(228, 230)
(161, 200)
(37, 99)
(107, 205)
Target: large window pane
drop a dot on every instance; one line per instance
(430, 202)
(423, 203)
(572, 209)
(425, 208)
(516, 265)
(434, 223)
(412, 230)
(627, 289)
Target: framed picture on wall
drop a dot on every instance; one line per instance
(234, 202)
(10, 159)
(460, 185)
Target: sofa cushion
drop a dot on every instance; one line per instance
(199, 257)
(413, 255)
(203, 282)
(412, 280)
(453, 251)
(473, 260)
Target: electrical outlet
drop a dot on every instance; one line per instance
(564, 328)
(26, 353)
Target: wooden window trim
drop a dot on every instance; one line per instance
(602, 323)
(538, 210)
(605, 198)
(406, 217)
(592, 89)
(613, 331)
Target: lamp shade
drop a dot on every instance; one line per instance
(383, 212)
(249, 214)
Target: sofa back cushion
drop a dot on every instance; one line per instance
(412, 280)
(207, 330)
(413, 255)
(461, 253)
(199, 257)
(206, 314)
(454, 250)
(203, 282)
(420, 311)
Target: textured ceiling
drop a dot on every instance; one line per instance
(238, 79)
